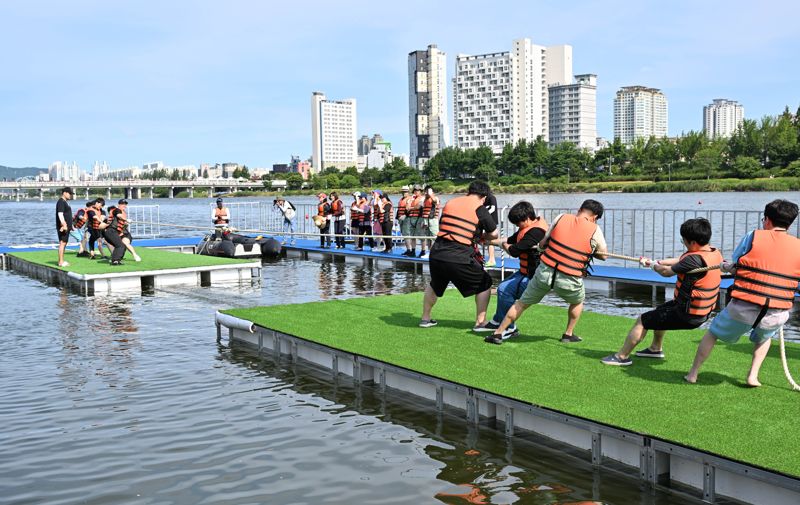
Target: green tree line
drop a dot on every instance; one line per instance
(769, 147)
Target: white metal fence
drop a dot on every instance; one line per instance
(145, 221)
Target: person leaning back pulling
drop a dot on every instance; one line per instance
(766, 266)
(569, 246)
(454, 256)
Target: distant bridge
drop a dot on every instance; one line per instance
(133, 188)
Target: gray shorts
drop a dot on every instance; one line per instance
(568, 287)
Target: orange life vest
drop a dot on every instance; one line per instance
(118, 220)
(355, 214)
(337, 207)
(530, 259)
(414, 211)
(80, 218)
(429, 209)
(97, 219)
(569, 248)
(459, 221)
(323, 209)
(387, 212)
(768, 273)
(401, 207)
(218, 215)
(702, 298)
(377, 213)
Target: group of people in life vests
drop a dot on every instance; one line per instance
(556, 257)
(92, 226)
(374, 215)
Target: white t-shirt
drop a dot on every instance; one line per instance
(287, 210)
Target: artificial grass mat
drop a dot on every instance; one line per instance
(718, 414)
(152, 259)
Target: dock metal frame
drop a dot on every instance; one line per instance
(660, 463)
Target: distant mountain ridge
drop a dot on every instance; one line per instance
(11, 173)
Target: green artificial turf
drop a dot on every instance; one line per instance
(152, 259)
(717, 415)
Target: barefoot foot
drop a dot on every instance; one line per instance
(753, 382)
(691, 379)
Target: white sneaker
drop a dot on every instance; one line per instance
(136, 257)
(63, 264)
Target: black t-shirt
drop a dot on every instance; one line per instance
(455, 252)
(491, 206)
(528, 242)
(63, 207)
(688, 263)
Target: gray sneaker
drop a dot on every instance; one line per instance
(647, 353)
(429, 323)
(615, 360)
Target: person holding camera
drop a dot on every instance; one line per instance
(288, 211)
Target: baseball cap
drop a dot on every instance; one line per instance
(377, 191)
(67, 189)
(405, 189)
(322, 195)
(122, 202)
(417, 187)
(219, 200)
(357, 194)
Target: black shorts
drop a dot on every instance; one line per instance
(469, 279)
(669, 316)
(63, 236)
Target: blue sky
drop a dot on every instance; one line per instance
(191, 82)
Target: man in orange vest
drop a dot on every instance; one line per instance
(338, 217)
(569, 246)
(695, 294)
(405, 222)
(454, 256)
(766, 266)
(522, 245)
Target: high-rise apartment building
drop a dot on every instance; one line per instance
(639, 112)
(500, 98)
(333, 133)
(573, 112)
(721, 118)
(429, 131)
(64, 171)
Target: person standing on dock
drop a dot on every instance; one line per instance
(695, 294)
(429, 219)
(387, 222)
(414, 215)
(63, 223)
(491, 206)
(339, 219)
(288, 211)
(365, 224)
(220, 215)
(531, 229)
(454, 256)
(403, 219)
(324, 221)
(568, 248)
(766, 273)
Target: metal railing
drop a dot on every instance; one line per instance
(244, 215)
(145, 221)
(656, 232)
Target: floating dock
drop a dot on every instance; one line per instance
(158, 269)
(711, 441)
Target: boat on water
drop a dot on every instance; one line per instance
(226, 243)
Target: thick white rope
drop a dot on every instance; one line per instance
(786, 371)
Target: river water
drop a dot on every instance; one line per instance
(131, 400)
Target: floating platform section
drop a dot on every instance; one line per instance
(157, 269)
(710, 440)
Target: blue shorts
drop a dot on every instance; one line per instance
(77, 234)
(729, 330)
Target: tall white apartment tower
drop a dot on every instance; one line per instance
(722, 118)
(639, 112)
(573, 112)
(500, 98)
(333, 133)
(429, 131)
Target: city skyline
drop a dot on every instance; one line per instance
(120, 83)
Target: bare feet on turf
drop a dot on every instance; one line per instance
(691, 379)
(753, 382)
